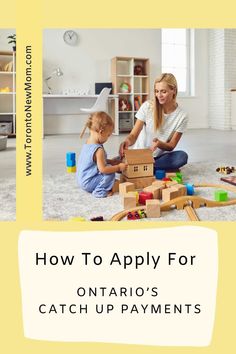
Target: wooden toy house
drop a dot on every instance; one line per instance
(140, 163)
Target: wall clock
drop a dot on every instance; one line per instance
(70, 37)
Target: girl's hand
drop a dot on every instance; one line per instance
(122, 166)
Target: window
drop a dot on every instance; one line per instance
(145, 168)
(177, 57)
(135, 168)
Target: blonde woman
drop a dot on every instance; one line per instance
(159, 126)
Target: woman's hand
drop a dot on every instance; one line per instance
(132, 137)
(155, 144)
(124, 146)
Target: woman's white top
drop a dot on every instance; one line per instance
(176, 121)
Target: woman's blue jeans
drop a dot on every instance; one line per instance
(171, 161)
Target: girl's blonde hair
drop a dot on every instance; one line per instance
(98, 121)
(157, 108)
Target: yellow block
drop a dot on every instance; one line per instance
(78, 218)
(71, 169)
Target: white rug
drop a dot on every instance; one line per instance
(7, 199)
(64, 200)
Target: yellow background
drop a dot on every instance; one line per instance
(29, 18)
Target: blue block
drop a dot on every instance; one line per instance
(70, 163)
(190, 188)
(70, 156)
(159, 174)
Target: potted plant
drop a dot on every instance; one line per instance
(12, 40)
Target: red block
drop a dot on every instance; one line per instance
(166, 179)
(143, 196)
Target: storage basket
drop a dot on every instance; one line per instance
(5, 127)
(3, 142)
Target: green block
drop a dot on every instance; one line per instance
(177, 179)
(221, 195)
(178, 174)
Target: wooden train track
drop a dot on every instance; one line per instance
(188, 202)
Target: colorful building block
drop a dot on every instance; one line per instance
(71, 161)
(78, 218)
(221, 195)
(160, 174)
(177, 179)
(143, 196)
(71, 169)
(166, 179)
(190, 188)
(179, 175)
(70, 156)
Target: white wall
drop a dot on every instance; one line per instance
(90, 62)
(197, 106)
(222, 76)
(4, 33)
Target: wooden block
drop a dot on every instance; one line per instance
(159, 183)
(115, 188)
(181, 189)
(137, 195)
(126, 187)
(170, 174)
(171, 183)
(129, 200)
(139, 183)
(156, 191)
(153, 208)
(169, 194)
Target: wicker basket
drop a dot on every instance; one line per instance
(3, 142)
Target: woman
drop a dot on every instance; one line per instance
(159, 126)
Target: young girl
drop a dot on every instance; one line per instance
(95, 173)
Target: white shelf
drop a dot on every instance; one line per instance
(7, 114)
(122, 69)
(8, 99)
(120, 75)
(141, 76)
(7, 72)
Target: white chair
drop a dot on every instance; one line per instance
(101, 102)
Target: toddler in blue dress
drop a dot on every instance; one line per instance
(95, 173)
